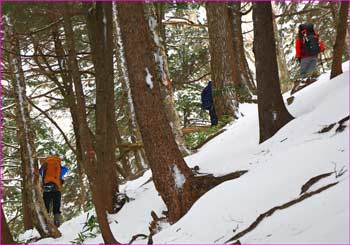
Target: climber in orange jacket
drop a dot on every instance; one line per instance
(52, 173)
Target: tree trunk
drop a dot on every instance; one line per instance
(246, 78)
(41, 220)
(79, 156)
(166, 88)
(281, 59)
(6, 236)
(173, 179)
(222, 61)
(88, 157)
(66, 75)
(124, 161)
(273, 114)
(27, 216)
(140, 155)
(340, 40)
(99, 23)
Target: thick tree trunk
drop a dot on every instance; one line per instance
(100, 25)
(41, 220)
(162, 64)
(88, 155)
(246, 78)
(140, 155)
(340, 40)
(222, 61)
(6, 236)
(174, 180)
(273, 114)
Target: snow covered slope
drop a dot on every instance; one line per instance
(278, 169)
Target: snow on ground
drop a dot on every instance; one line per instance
(277, 170)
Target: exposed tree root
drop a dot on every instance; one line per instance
(194, 129)
(208, 139)
(154, 226)
(341, 126)
(203, 183)
(300, 84)
(134, 237)
(326, 129)
(312, 181)
(339, 129)
(280, 207)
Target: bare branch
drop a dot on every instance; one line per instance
(56, 125)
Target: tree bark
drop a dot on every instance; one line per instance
(88, 154)
(246, 77)
(281, 59)
(166, 89)
(27, 216)
(273, 114)
(340, 40)
(66, 75)
(99, 23)
(6, 236)
(173, 179)
(41, 220)
(140, 155)
(222, 61)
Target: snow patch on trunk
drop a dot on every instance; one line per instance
(158, 55)
(179, 178)
(149, 79)
(104, 21)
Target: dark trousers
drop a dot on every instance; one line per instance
(53, 197)
(213, 116)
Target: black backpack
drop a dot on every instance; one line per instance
(310, 39)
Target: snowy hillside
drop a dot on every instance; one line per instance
(277, 170)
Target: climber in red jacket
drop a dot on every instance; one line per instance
(308, 46)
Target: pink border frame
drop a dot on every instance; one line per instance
(348, 42)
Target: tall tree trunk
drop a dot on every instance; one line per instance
(246, 77)
(281, 59)
(173, 179)
(41, 219)
(340, 40)
(6, 236)
(99, 23)
(166, 88)
(82, 193)
(67, 79)
(88, 157)
(273, 114)
(27, 216)
(222, 61)
(140, 155)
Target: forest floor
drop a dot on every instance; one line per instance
(296, 189)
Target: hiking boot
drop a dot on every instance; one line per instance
(57, 220)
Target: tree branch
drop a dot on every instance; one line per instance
(298, 12)
(56, 125)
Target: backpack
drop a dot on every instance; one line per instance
(206, 97)
(310, 39)
(51, 172)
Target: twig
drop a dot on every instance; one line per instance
(56, 125)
